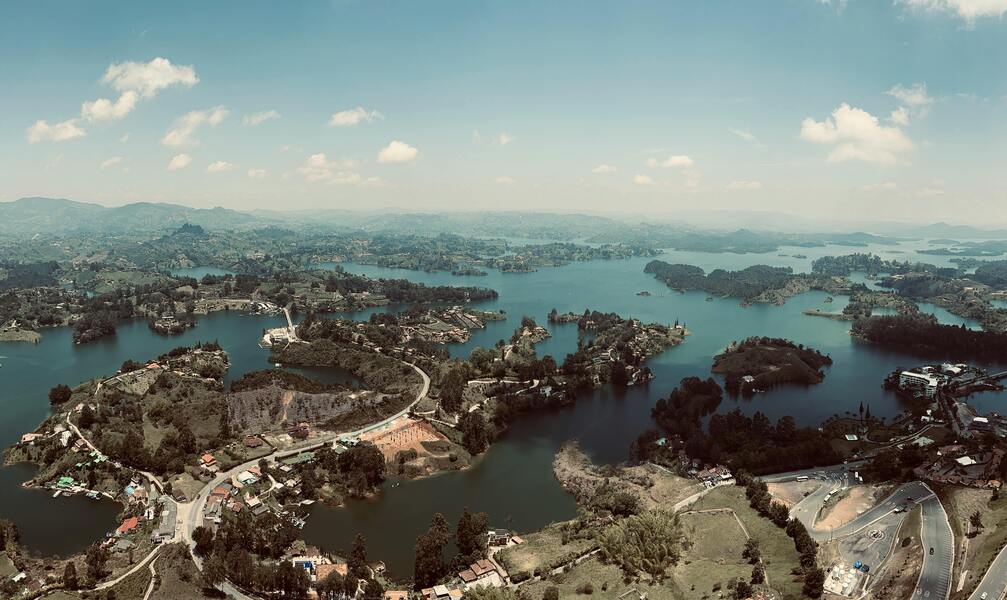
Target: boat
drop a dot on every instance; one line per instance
(828, 298)
(57, 493)
(709, 298)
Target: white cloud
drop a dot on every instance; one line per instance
(643, 180)
(110, 162)
(318, 168)
(913, 96)
(501, 139)
(257, 173)
(968, 10)
(748, 136)
(900, 116)
(505, 180)
(884, 186)
(678, 160)
(124, 138)
(184, 128)
(744, 186)
(104, 109)
(149, 78)
(259, 118)
(179, 161)
(397, 152)
(219, 166)
(353, 116)
(604, 168)
(855, 134)
(42, 131)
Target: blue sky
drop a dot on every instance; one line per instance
(817, 108)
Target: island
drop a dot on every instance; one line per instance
(758, 363)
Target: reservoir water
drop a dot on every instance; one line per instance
(513, 481)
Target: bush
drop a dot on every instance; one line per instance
(585, 588)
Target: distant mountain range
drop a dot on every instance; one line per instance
(28, 217)
(54, 216)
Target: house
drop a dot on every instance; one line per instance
(208, 462)
(498, 537)
(30, 437)
(919, 384)
(482, 573)
(128, 525)
(252, 441)
(965, 461)
(396, 595)
(166, 529)
(247, 478)
(65, 483)
(441, 592)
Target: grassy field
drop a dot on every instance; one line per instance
(540, 549)
(7, 568)
(606, 581)
(778, 552)
(984, 545)
(177, 578)
(714, 557)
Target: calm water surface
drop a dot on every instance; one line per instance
(513, 481)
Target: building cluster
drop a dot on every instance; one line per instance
(956, 466)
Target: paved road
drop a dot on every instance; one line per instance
(938, 553)
(994, 583)
(853, 465)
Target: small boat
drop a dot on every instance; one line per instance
(57, 493)
(709, 298)
(828, 299)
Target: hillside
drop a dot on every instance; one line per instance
(770, 362)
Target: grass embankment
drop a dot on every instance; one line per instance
(542, 550)
(983, 547)
(778, 552)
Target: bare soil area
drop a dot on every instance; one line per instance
(856, 501)
(790, 493)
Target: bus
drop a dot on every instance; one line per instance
(802, 478)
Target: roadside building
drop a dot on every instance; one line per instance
(919, 384)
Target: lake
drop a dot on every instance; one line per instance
(513, 481)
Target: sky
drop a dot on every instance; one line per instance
(840, 109)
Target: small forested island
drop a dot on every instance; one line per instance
(923, 333)
(758, 363)
(169, 325)
(758, 283)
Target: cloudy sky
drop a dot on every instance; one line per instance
(841, 108)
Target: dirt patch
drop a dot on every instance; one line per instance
(854, 502)
(790, 493)
(403, 434)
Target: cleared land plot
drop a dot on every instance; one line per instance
(7, 568)
(792, 492)
(606, 582)
(714, 556)
(401, 434)
(853, 502)
(540, 550)
(778, 552)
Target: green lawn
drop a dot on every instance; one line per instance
(540, 549)
(606, 581)
(778, 552)
(714, 556)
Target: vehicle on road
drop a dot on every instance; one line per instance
(931, 551)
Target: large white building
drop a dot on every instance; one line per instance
(924, 384)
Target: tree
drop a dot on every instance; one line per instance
(203, 538)
(649, 542)
(475, 438)
(86, 418)
(743, 590)
(814, 582)
(214, 571)
(60, 394)
(470, 536)
(976, 520)
(429, 564)
(752, 552)
(758, 574)
(95, 560)
(373, 590)
(70, 576)
(357, 563)
(551, 592)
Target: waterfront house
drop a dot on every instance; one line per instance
(127, 526)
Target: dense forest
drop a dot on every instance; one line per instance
(746, 283)
(922, 333)
(742, 442)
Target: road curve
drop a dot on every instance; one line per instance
(938, 553)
